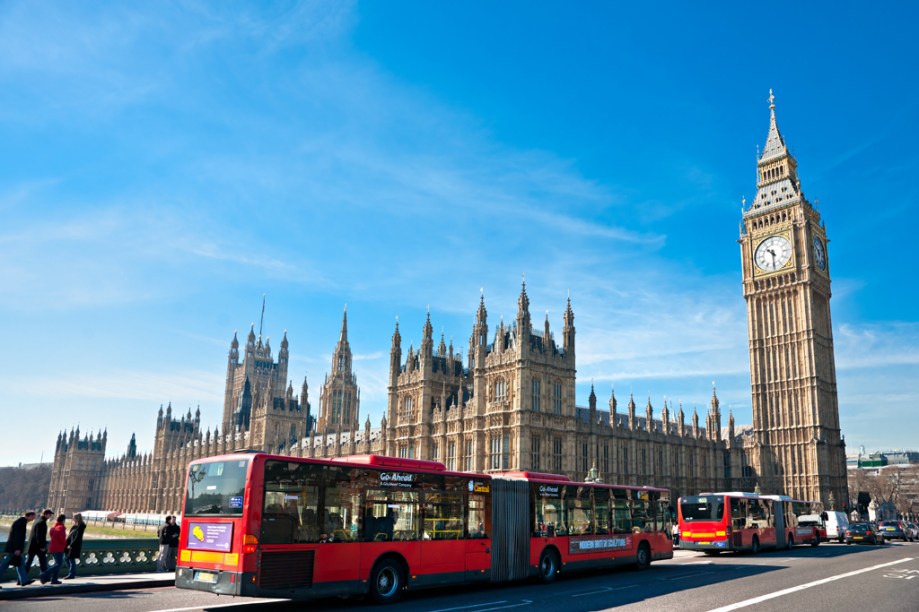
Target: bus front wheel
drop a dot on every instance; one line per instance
(386, 582)
(643, 558)
(548, 566)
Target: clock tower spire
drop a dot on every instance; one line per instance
(797, 447)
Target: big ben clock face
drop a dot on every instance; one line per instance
(819, 254)
(772, 253)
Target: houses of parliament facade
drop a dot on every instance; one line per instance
(509, 403)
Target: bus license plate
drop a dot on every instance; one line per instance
(205, 577)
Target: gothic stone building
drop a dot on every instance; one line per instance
(511, 404)
(511, 408)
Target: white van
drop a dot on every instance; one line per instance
(833, 524)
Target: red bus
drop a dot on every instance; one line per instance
(716, 522)
(273, 526)
(587, 525)
(798, 531)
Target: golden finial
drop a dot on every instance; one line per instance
(771, 100)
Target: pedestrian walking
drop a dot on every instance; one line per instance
(38, 545)
(164, 539)
(74, 545)
(16, 546)
(56, 546)
(172, 532)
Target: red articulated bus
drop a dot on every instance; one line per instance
(588, 525)
(799, 531)
(736, 521)
(273, 526)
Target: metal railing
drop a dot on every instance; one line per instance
(99, 557)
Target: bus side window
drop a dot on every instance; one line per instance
(622, 516)
(738, 513)
(478, 521)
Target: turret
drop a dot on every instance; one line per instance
(568, 329)
(233, 356)
(283, 359)
(613, 415)
(427, 340)
(592, 403)
(395, 354)
(523, 320)
(631, 412)
(714, 432)
(649, 416)
(730, 428)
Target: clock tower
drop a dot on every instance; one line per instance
(797, 447)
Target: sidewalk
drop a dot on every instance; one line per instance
(88, 584)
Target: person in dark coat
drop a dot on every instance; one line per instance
(16, 546)
(38, 543)
(165, 538)
(74, 545)
(172, 532)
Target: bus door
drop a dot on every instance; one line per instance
(442, 543)
(335, 520)
(781, 528)
(478, 528)
(762, 520)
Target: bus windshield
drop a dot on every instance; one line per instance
(216, 488)
(702, 509)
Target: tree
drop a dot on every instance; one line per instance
(24, 488)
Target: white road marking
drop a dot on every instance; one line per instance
(606, 590)
(524, 602)
(470, 607)
(688, 576)
(801, 587)
(211, 607)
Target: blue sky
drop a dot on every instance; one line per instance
(164, 165)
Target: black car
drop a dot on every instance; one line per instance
(895, 530)
(862, 533)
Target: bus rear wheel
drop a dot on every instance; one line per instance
(643, 558)
(548, 566)
(386, 582)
